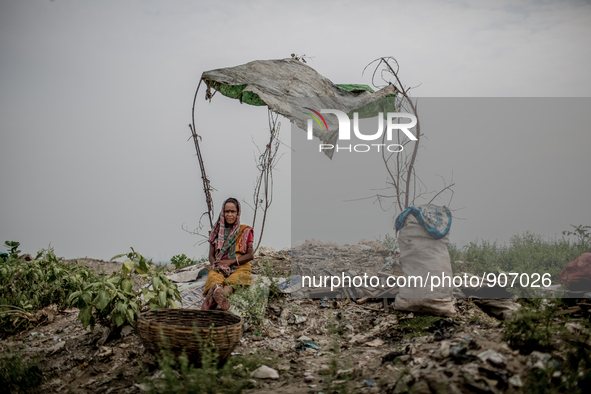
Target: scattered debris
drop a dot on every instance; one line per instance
(308, 345)
(360, 347)
(492, 357)
(296, 319)
(380, 328)
(501, 308)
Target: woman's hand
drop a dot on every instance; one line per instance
(227, 263)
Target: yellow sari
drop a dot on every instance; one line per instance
(241, 276)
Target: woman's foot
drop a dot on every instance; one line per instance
(209, 302)
(220, 297)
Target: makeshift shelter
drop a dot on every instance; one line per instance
(286, 85)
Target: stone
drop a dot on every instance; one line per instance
(264, 372)
(375, 343)
(515, 380)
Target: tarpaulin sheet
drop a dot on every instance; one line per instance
(286, 85)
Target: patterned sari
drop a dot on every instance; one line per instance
(230, 242)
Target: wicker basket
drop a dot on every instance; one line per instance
(176, 328)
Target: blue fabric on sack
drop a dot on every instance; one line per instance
(435, 219)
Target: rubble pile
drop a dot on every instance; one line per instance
(312, 345)
(319, 259)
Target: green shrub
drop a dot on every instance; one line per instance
(455, 254)
(568, 371)
(389, 242)
(114, 301)
(273, 278)
(181, 261)
(526, 253)
(582, 235)
(32, 285)
(534, 326)
(250, 302)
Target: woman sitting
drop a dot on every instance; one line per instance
(230, 251)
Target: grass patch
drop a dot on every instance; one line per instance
(416, 327)
(336, 382)
(181, 376)
(18, 375)
(526, 253)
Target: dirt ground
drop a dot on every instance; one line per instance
(341, 347)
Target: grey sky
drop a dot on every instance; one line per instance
(95, 99)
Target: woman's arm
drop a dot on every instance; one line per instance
(211, 254)
(248, 256)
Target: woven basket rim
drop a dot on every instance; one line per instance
(189, 318)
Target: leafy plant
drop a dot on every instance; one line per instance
(533, 326)
(114, 300)
(582, 234)
(181, 261)
(569, 371)
(389, 242)
(250, 302)
(26, 286)
(13, 248)
(273, 278)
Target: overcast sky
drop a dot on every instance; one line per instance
(95, 99)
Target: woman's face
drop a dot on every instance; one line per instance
(230, 213)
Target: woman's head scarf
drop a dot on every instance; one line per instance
(217, 235)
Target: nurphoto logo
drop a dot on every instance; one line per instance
(345, 130)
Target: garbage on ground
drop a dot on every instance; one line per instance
(492, 357)
(538, 360)
(297, 319)
(302, 344)
(501, 308)
(466, 354)
(515, 380)
(380, 328)
(325, 303)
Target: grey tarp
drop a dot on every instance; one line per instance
(288, 85)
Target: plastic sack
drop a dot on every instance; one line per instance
(421, 257)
